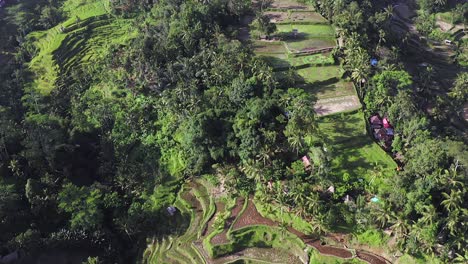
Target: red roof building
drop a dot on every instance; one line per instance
(306, 162)
(386, 124)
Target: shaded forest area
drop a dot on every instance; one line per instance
(93, 164)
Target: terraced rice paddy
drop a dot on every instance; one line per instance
(249, 237)
(83, 38)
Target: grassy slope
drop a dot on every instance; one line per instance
(352, 150)
(88, 31)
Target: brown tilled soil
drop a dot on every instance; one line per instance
(252, 217)
(371, 257)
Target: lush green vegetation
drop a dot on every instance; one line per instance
(111, 112)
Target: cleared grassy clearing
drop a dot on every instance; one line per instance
(353, 151)
(320, 74)
(279, 60)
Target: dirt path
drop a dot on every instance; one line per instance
(336, 105)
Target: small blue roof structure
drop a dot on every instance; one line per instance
(374, 62)
(374, 199)
(171, 210)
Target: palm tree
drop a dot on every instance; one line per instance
(389, 11)
(312, 204)
(264, 155)
(296, 142)
(440, 2)
(252, 170)
(461, 258)
(429, 215)
(319, 226)
(384, 216)
(452, 201)
(283, 226)
(400, 227)
(452, 221)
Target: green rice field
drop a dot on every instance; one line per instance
(82, 38)
(320, 74)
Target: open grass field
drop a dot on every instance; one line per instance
(320, 74)
(82, 38)
(353, 150)
(309, 31)
(281, 60)
(309, 44)
(261, 47)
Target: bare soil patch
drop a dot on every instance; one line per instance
(288, 4)
(336, 105)
(371, 258)
(252, 217)
(282, 17)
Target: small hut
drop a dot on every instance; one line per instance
(171, 210)
(295, 31)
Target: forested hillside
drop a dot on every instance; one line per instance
(184, 131)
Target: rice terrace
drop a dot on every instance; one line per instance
(233, 131)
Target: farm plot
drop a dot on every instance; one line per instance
(320, 74)
(289, 5)
(321, 59)
(262, 47)
(305, 17)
